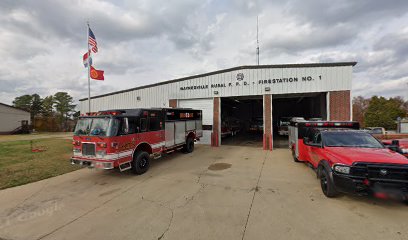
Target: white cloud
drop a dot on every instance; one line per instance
(142, 42)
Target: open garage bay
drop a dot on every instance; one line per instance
(242, 121)
(287, 106)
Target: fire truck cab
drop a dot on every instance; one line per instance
(129, 138)
(349, 160)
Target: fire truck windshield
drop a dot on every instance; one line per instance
(93, 126)
(350, 139)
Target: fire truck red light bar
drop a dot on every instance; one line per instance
(114, 113)
(329, 124)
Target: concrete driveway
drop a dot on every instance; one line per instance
(252, 194)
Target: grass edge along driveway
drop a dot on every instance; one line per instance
(19, 165)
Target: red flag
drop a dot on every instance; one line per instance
(97, 74)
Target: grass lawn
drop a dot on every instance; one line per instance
(19, 165)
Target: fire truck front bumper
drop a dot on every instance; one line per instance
(93, 163)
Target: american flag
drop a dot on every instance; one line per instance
(92, 41)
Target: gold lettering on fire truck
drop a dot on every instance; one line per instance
(127, 146)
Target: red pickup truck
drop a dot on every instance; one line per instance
(348, 160)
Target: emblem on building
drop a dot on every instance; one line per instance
(240, 76)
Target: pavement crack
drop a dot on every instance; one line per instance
(93, 209)
(253, 196)
(164, 206)
(168, 226)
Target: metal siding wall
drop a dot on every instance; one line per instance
(333, 79)
(10, 118)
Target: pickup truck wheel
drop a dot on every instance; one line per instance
(141, 163)
(189, 146)
(327, 184)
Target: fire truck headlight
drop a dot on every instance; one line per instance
(342, 169)
(404, 150)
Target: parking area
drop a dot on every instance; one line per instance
(229, 192)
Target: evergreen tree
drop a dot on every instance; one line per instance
(383, 112)
(48, 106)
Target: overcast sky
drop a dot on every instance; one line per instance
(142, 42)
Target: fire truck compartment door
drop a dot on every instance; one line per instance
(169, 134)
(180, 132)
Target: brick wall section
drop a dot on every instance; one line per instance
(340, 105)
(215, 142)
(267, 138)
(173, 103)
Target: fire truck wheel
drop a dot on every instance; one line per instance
(189, 147)
(326, 183)
(141, 163)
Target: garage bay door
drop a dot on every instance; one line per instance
(206, 105)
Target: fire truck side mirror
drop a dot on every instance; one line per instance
(306, 140)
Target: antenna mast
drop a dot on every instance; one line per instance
(257, 42)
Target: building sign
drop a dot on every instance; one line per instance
(240, 82)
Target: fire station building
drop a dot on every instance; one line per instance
(246, 105)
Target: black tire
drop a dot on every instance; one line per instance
(141, 163)
(327, 183)
(189, 146)
(295, 159)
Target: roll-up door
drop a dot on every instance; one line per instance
(206, 105)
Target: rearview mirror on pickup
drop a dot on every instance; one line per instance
(306, 140)
(395, 142)
(393, 147)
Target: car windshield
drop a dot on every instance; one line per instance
(93, 126)
(350, 139)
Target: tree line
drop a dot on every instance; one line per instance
(379, 111)
(59, 106)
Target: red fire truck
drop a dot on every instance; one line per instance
(129, 138)
(349, 160)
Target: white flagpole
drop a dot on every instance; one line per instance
(89, 71)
